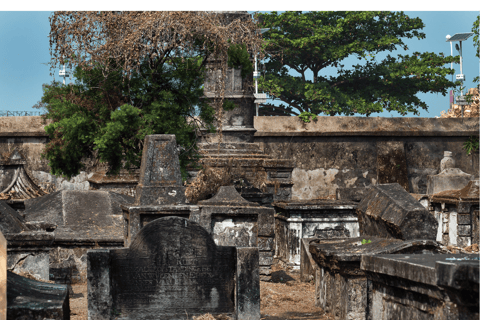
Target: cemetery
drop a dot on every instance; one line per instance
(367, 217)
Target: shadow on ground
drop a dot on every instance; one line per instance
(281, 277)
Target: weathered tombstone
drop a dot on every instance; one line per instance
(63, 226)
(455, 213)
(160, 180)
(389, 211)
(173, 270)
(31, 299)
(392, 163)
(321, 219)
(422, 286)
(3, 277)
(234, 221)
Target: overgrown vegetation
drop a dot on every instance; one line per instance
(137, 73)
(471, 145)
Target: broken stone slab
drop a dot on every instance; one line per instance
(340, 284)
(433, 286)
(448, 179)
(324, 219)
(160, 180)
(172, 268)
(3, 277)
(10, 220)
(389, 211)
(31, 299)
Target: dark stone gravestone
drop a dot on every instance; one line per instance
(30, 299)
(389, 211)
(160, 180)
(433, 286)
(173, 270)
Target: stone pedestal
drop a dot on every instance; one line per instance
(160, 181)
(448, 179)
(321, 219)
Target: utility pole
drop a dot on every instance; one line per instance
(64, 73)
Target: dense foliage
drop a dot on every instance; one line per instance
(137, 73)
(310, 42)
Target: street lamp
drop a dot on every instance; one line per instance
(259, 97)
(460, 37)
(451, 68)
(64, 73)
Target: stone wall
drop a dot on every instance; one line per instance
(330, 153)
(347, 152)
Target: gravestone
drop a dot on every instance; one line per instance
(448, 179)
(173, 270)
(3, 277)
(160, 180)
(389, 211)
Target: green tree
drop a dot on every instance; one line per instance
(112, 116)
(476, 42)
(310, 42)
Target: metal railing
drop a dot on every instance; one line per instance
(4, 113)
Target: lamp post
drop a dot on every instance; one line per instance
(259, 97)
(451, 68)
(64, 73)
(460, 37)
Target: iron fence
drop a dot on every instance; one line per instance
(19, 113)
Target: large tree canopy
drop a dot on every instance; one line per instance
(137, 73)
(308, 43)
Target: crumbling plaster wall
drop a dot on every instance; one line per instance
(343, 152)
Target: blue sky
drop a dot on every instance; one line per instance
(24, 51)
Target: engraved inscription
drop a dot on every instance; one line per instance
(172, 267)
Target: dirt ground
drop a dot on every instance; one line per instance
(285, 297)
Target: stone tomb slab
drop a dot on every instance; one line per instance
(389, 211)
(173, 269)
(340, 284)
(433, 286)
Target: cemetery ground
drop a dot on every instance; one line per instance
(284, 297)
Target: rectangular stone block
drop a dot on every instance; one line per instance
(265, 271)
(449, 179)
(389, 211)
(248, 284)
(475, 227)
(3, 277)
(266, 223)
(266, 258)
(464, 219)
(265, 244)
(464, 230)
(99, 285)
(392, 163)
